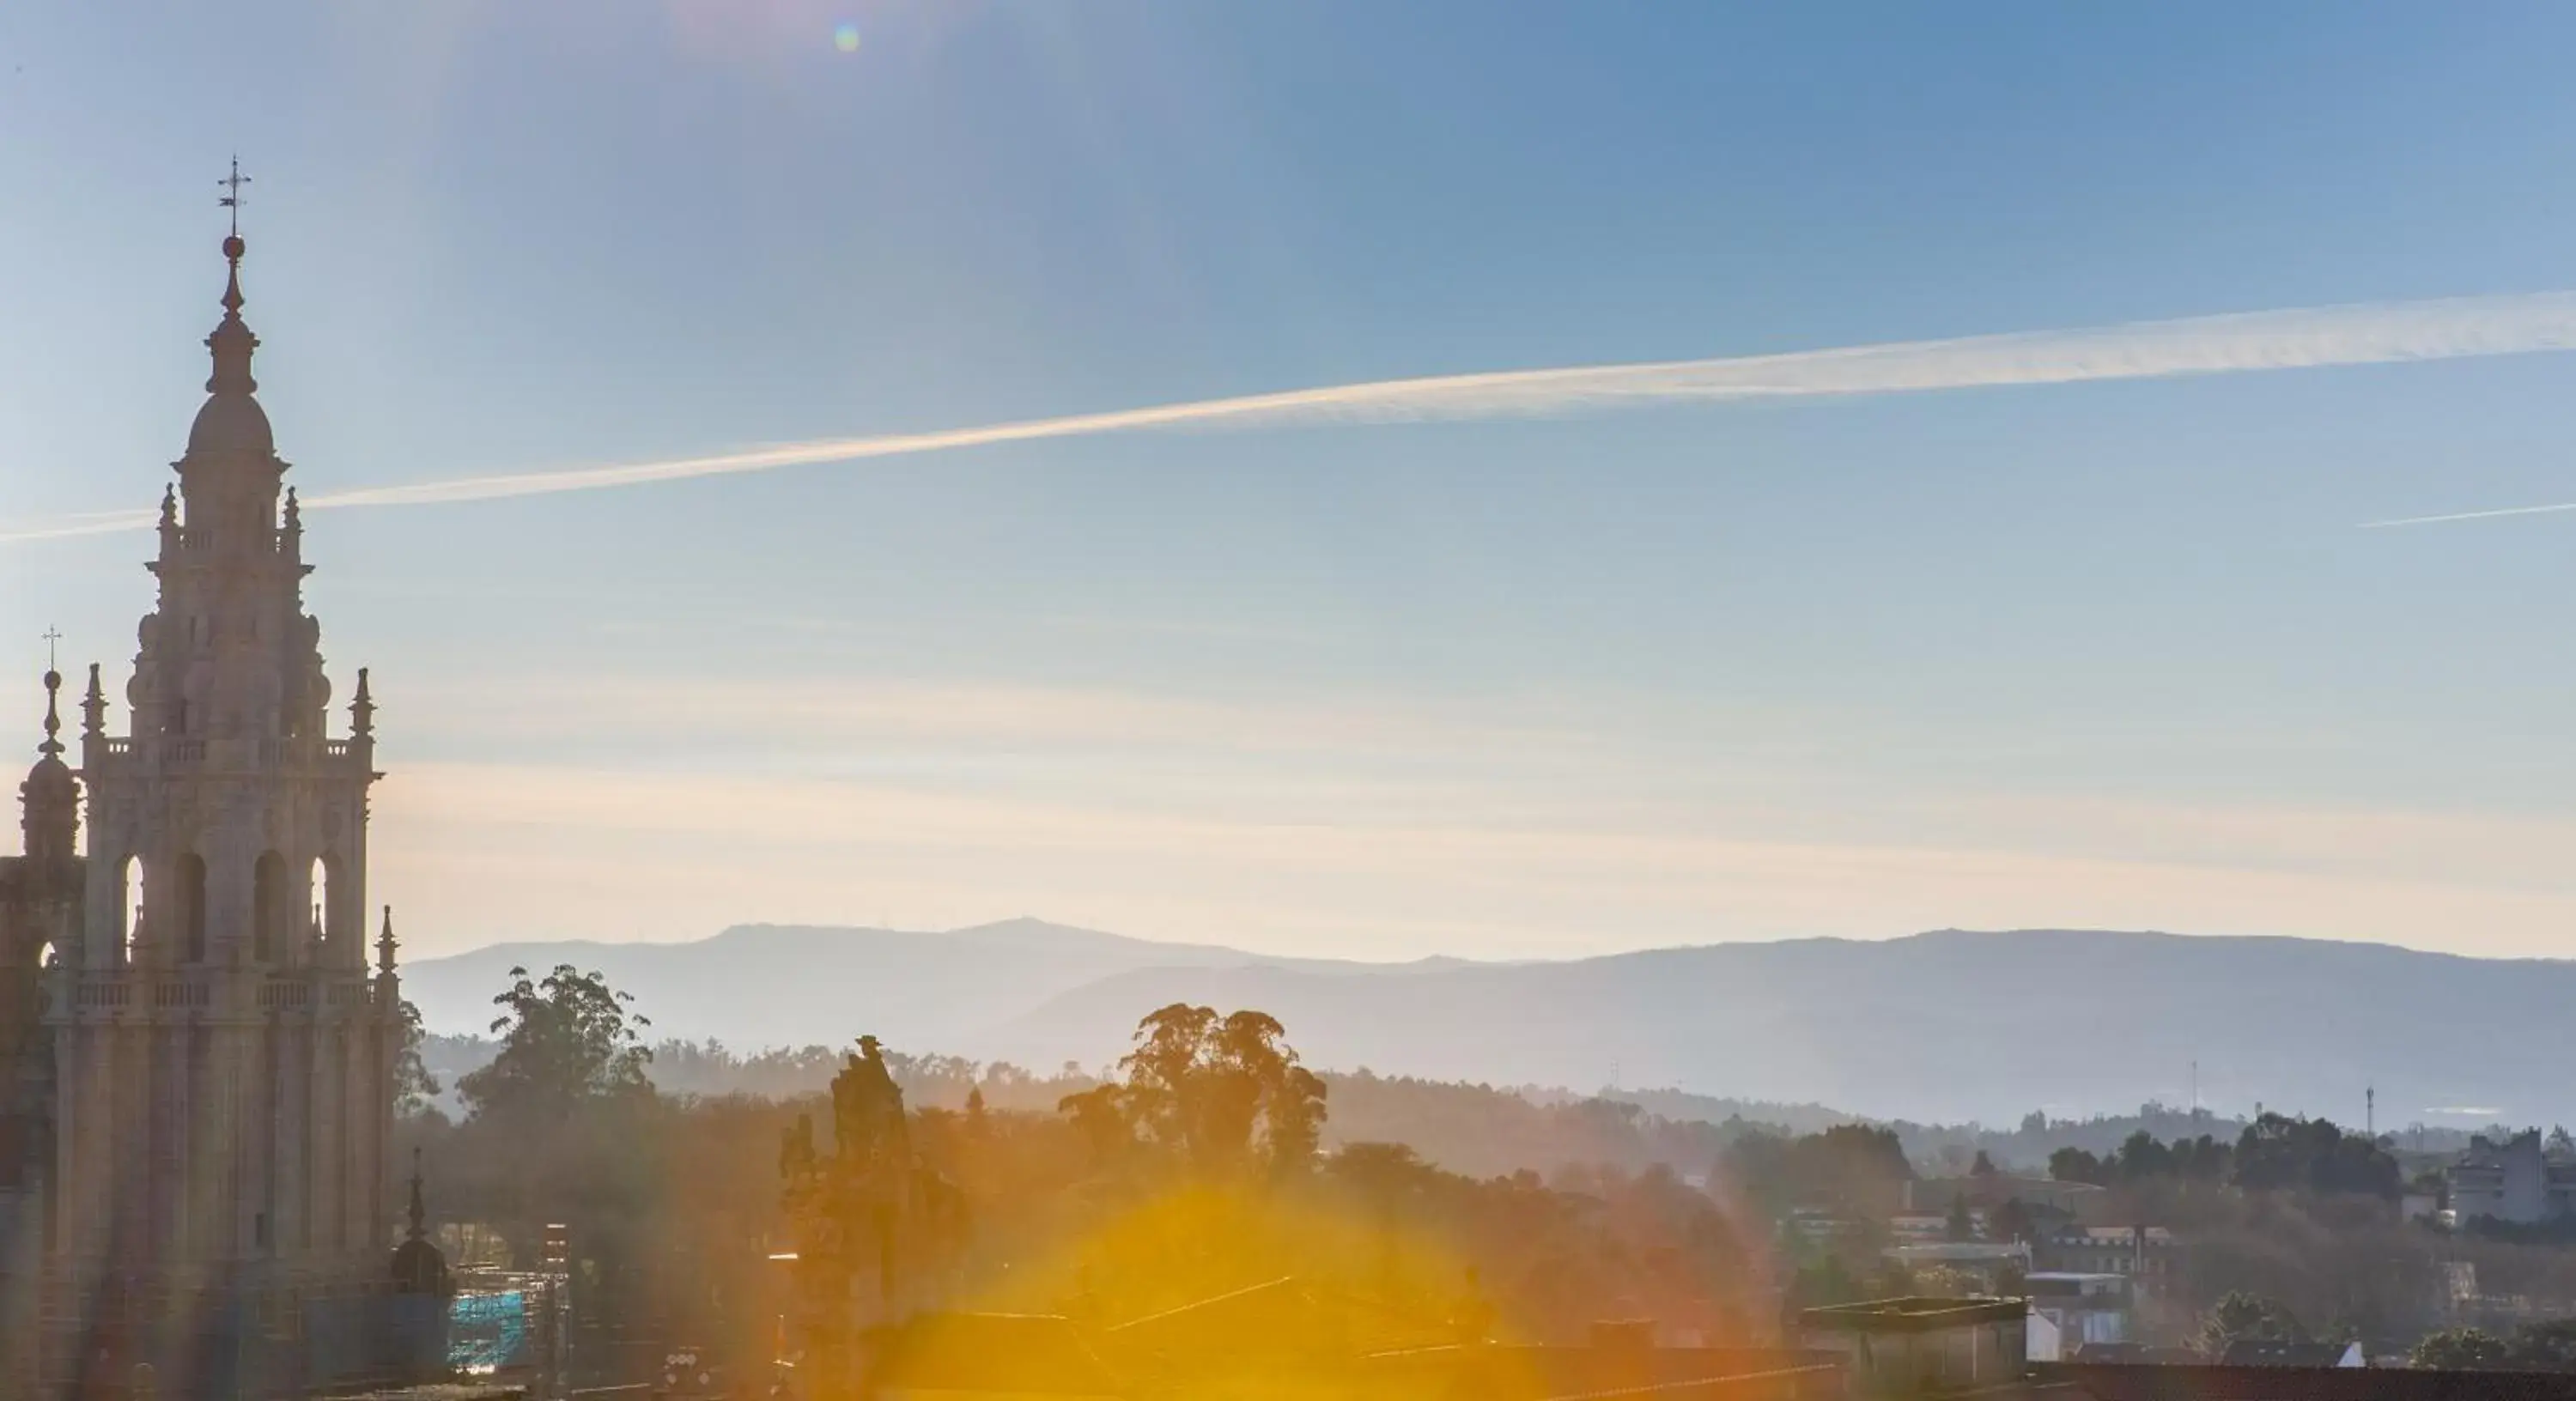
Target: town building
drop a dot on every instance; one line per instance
(2146, 1252)
(2512, 1181)
(1917, 1344)
(1991, 1266)
(2070, 1313)
(197, 1071)
(1929, 1228)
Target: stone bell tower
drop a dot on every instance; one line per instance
(222, 1051)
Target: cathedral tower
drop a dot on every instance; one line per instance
(222, 1051)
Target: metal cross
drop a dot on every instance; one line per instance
(232, 197)
(52, 636)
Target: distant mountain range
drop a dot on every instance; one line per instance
(1944, 1026)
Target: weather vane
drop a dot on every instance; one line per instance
(232, 196)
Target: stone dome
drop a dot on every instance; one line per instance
(50, 786)
(50, 798)
(419, 1268)
(231, 425)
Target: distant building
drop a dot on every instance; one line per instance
(2512, 1181)
(1961, 1255)
(2145, 1252)
(2070, 1313)
(1816, 1224)
(1916, 1344)
(1925, 1228)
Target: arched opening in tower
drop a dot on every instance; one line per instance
(47, 956)
(321, 899)
(192, 906)
(129, 907)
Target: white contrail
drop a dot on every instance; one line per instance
(2472, 515)
(2374, 333)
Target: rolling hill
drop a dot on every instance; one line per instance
(1949, 1025)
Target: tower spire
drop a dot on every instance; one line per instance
(94, 708)
(232, 341)
(53, 744)
(49, 801)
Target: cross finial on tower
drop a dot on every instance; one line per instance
(232, 196)
(53, 689)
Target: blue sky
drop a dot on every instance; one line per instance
(2099, 654)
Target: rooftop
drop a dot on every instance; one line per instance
(1023, 1354)
(1912, 1313)
(2135, 1382)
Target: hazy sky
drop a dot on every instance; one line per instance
(1551, 675)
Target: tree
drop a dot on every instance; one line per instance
(1163, 1084)
(1296, 1115)
(2011, 1282)
(1983, 1166)
(1848, 1167)
(1828, 1281)
(414, 1086)
(1961, 1226)
(565, 1041)
(2072, 1164)
(2013, 1221)
(1099, 1114)
(2202, 1159)
(1220, 1094)
(2461, 1350)
(2546, 1346)
(2240, 1316)
(1388, 1176)
(2279, 1153)
(2141, 1157)
(568, 1120)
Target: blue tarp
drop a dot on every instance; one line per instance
(486, 1332)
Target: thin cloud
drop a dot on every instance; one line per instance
(2366, 334)
(2550, 510)
(1450, 864)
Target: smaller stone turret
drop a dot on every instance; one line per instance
(419, 1266)
(49, 801)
